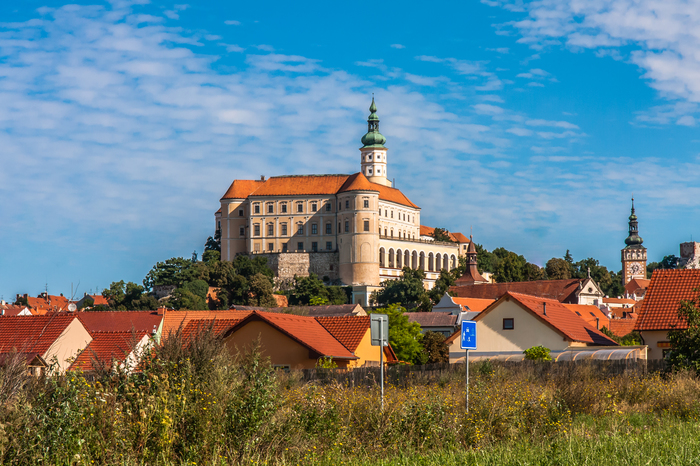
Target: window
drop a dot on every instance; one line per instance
(270, 208)
(240, 212)
(256, 229)
(392, 214)
(284, 208)
(329, 245)
(366, 225)
(385, 232)
(270, 229)
(284, 247)
(386, 214)
(256, 209)
(257, 247)
(347, 204)
(508, 324)
(314, 229)
(328, 206)
(314, 207)
(270, 247)
(339, 205)
(300, 229)
(329, 229)
(300, 246)
(380, 212)
(241, 231)
(300, 207)
(347, 226)
(404, 217)
(338, 227)
(284, 229)
(314, 246)
(366, 203)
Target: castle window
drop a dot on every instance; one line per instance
(270, 229)
(300, 207)
(300, 229)
(284, 247)
(404, 217)
(392, 232)
(300, 246)
(366, 203)
(256, 229)
(385, 232)
(386, 213)
(314, 207)
(270, 208)
(314, 246)
(314, 229)
(338, 227)
(270, 247)
(392, 214)
(339, 205)
(284, 208)
(257, 247)
(329, 229)
(347, 204)
(328, 206)
(240, 212)
(347, 226)
(369, 171)
(329, 246)
(241, 231)
(284, 229)
(366, 225)
(257, 208)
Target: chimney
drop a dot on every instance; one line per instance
(262, 177)
(544, 308)
(597, 323)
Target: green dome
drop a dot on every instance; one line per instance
(373, 138)
(633, 240)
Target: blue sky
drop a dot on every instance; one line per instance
(122, 124)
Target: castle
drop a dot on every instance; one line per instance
(356, 229)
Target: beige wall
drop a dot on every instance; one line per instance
(281, 349)
(652, 339)
(366, 352)
(528, 331)
(72, 341)
(392, 223)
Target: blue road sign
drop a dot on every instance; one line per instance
(468, 340)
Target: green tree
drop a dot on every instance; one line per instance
(174, 271)
(306, 289)
(407, 291)
(435, 348)
(686, 342)
(261, 291)
(510, 266)
(534, 272)
(404, 336)
(214, 244)
(485, 261)
(441, 234)
(442, 284)
(537, 353)
(123, 296)
(558, 269)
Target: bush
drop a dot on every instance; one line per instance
(537, 353)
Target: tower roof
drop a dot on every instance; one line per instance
(373, 138)
(633, 240)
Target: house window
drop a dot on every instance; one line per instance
(314, 229)
(284, 247)
(240, 212)
(347, 226)
(256, 208)
(329, 245)
(328, 206)
(508, 324)
(347, 204)
(300, 229)
(270, 247)
(270, 208)
(284, 208)
(270, 229)
(366, 203)
(366, 225)
(256, 229)
(284, 229)
(300, 246)
(329, 229)
(241, 231)
(314, 246)
(300, 207)
(314, 207)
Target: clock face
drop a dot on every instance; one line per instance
(635, 268)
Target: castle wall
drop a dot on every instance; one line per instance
(286, 265)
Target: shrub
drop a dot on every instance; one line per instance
(537, 353)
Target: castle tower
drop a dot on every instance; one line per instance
(634, 255)
(471, 274)
(373, 153)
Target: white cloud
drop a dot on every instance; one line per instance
(397, 46)
(232, 22)
(265, 48)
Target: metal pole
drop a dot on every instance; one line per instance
(467, 364)
(381, 361)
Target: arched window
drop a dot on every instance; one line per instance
(454, 262)
(399, 259)
(421, 261)
(406, 259)
(381, 257)
(430, 262)
(414, 260)
(391, 258)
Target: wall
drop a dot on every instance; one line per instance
(652, 339)
(72, 341)
(366, 352)
(287, 264)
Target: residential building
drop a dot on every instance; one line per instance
(111, 350)
(572, 291)
(91, 300)
(636, 288)
(354, 333)
(356, 229)
(45, 303)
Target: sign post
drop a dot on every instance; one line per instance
(379, 335)
(467, 342)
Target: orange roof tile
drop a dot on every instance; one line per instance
(622, 327)
(241, 189)
(357, 182)
(393, 195)
(172, 320)
(561, 290)
(33, 334)
(456, 237)
(305, 330)
(459, 238)
(120, 321)
(590, 313)
(630, 301)
(426, 231)
(12, 309)
(106, 347)
(53, 303)
(659, 310)
(636, 284)
(217, 326)
(348, 330)
(474, 304)
(558, 317)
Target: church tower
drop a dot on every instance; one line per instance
(373, 152)
(634, 255)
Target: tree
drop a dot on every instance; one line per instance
(123, 296)
(306, 289)
(214, 244)
(668, 262)
(510, 266)
(441, 234)
(260, 290)
(435, 348)
(407, 291)
(485, 260)
(686, 342)
(534, 272)
(404, 336)
(558, 269)
(442, 284)
(174, 271)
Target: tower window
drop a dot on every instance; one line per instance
(284, 208)
(369, 171)
(347, 204)
(366, 203)
(366, 225)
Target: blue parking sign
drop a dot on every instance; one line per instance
(468, 340)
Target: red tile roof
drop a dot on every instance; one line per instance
(474, 304)
(659, 310)
(347, 330)
(241, 189)
(561, 290)
(120, 321)
(558, 317)
(172, 320)
(590, 313)
(105, 348)
(622, 327)
(636, 284)
(456, 237)
(357, 182)
(305, 330)
(218, 327)
(53, 303)
(630, 302)
(32, 334)
(393, 195)
(12, 309)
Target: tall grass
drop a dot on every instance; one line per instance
(191, 402)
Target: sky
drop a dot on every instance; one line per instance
(530, 124)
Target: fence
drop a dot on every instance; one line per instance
(435, 373)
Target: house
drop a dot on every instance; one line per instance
(636, 288)
(572, 291)
(45, 303)
(174, 321)
(313, 311)
(658, 312)
(455, 306)
(7, 309)
(149, 322)
(107, 350)
(439, 322)
(91, 300)
(354, 333)
(591, 314)
(52, 338)
(516, 322)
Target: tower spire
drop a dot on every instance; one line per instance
(373, 138)
(633, 239)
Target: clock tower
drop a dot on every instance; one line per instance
(634, 255)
